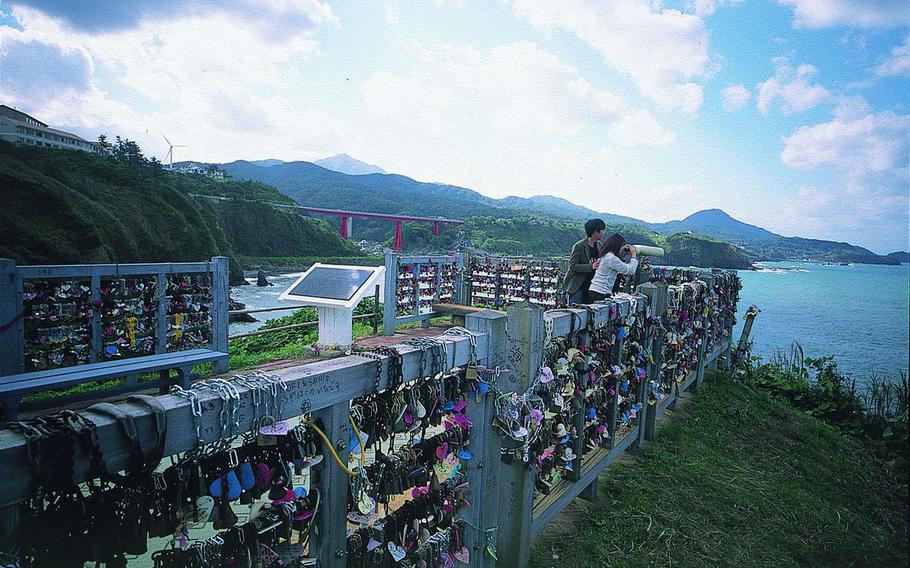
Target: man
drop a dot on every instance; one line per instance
(584, 261)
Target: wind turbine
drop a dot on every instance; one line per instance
(170, 150)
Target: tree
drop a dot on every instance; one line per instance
(104, 147)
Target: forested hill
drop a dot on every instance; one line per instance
(762, 244)
(310, 184)
(65, 207)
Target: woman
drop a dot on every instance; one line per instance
(611, 265)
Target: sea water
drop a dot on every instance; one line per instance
(859, 314)
(263, 297)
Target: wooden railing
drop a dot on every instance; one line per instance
(505, 511)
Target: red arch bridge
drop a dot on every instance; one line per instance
(397, 245)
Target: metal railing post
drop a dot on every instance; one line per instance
(390, 305)
(220, 306)
(10, 316)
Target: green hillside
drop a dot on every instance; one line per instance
(310, 184)
(71, 207)
(761, 244)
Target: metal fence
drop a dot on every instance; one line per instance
(65, 315)
(414, 283)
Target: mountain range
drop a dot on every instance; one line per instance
(317, 185)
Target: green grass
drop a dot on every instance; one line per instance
(740, 480)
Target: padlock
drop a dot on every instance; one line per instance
(265, 437)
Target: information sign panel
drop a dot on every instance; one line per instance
(335, 286)
(332, 283)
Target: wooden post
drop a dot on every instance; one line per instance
(589, 493)
(220, 305)
(10, 524)
(658, 309)
(11, 340)
(331, 546)
(376, 310)
(526, 337)
(700, 366)
(649, 290)
(614, 404)
(579, 403)
(390, 305)
(744, 337)
(641, 392)
(485, 443)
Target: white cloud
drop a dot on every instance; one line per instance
(866, 144)
(221, 88)
(665, 51)
(854, 13)
(867, 155)
(899, 61)
(708, 7)
(735, 96)
(510, 120)
(793, 88)
(640, 129)
(390, 16)
(517, 88)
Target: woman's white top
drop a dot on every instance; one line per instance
(605, 275)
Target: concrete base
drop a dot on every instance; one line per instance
(336, 327)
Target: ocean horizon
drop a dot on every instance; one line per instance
(859, 314)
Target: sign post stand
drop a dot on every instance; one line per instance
(334, 290)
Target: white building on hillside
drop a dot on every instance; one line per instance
(199, 169)
(20, 128)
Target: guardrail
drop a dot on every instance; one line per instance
(589, 380)
(496, 281)
(414, 283)
(63, 315)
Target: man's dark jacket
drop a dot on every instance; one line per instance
(580, 267)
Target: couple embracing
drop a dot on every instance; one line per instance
(595, 265)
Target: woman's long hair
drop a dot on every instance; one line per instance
(614, 244)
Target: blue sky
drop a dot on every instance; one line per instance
(789, 114)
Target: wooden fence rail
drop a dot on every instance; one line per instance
(505, 511)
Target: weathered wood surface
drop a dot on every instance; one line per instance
(310, 387)
(456, 309)
(485, 443)
(526, 343)
(563, 494)
(331, 548)
(99, 371)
